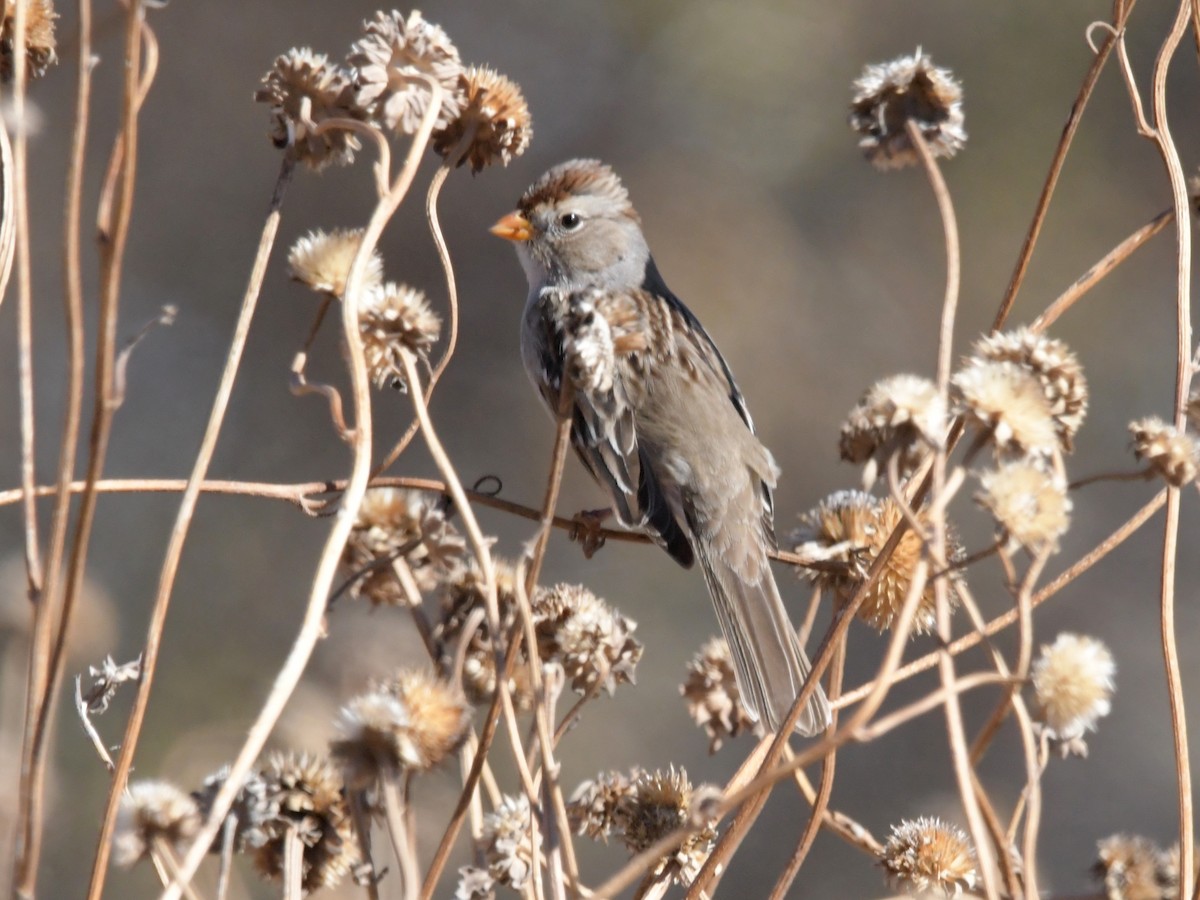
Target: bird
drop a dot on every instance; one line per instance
(656, 416)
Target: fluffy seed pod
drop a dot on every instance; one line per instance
(712, 696)
(394, 319)
(927, 855)
(304, 89)
(657, 804)
(494, 113)
(1030, 505)
(322, 260)
(1073, 683)
(1174, 454)
(902, 414)
(152, 813)
(1006, 400)
(593, 642)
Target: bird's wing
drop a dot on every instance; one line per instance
(603, 342)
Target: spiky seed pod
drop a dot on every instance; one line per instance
(321, 260)
(304, 89)
(395, 319)
(152, 812)
(308, 792)
(712, 696)
(1006, 399)
(507, 842)
(927, 855)
(389, 62)
(1174, 454)
(1056, 368)
(401, 523)
(495, 113)
(1073, 683)
(1029, 504)
(593, 642)
(657, 804)
(908, 89)
(40, 44)
(866, 523)
(251, 809)
(1134, 868)
(462, 595)
(594, 807)
(902, 414)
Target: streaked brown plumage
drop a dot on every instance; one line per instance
(657, 418)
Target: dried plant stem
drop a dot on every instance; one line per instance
(112, 255)
(311, 626)
(558, 460)
(852, 832)
(1110, 543)
(394, 807)
(1161, 135)
(824, 792)
(293, 865)
(183, 520)
(1101, 270)
(1121, 10)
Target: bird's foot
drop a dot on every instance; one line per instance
(589, 530)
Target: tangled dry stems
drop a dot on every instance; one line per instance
(500, 640)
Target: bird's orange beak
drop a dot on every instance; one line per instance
(513, 227)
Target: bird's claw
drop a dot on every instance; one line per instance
(588, 530)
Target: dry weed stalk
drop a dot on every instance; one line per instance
(891, 560)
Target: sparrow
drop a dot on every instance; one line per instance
(657, 417)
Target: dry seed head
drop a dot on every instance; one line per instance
(712, 696)
(867, 522)
(496, 115)
(462, 595)
(1134, 868)
(251, 809)
(152, 812)
(307, 790)
(657, 804)
(388, 62)
(591, 640)
(1006, 398)
(895, 415)
(507, 842)
(322, 260)
(395, 319)
(1029, 504)
(475, 884)
(595, 808)
(304, 89)
(1073, 682)
(1056, 368)
(39, 38)
(927, 855)
(439, 716)
(406, 524)
(1174, 454)
(909, 88)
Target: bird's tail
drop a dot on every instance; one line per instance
(769, 661)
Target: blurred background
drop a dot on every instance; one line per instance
(815, 273)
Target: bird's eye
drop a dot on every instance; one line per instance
(570, 221)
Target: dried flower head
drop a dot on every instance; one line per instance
(391, 62)
(152, 813)
(1007, 399)
(1056, 368)
(900, 414)
(40, 53)
(475, 883)
(463, 603)
(1029, 504)
(307, 791)
(927, 855)
(322, 260)
(657, 804)
(594, 809)
(395, 319)
(1134, 868)
(507, 842)
(495, 116)
(712, 696)
(862, 524)
(304, 89)
(250, 812)
(909, 89)
(1174, 454)
(593, 642)
(404, 524)
(1073, 685)
(413, 722)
